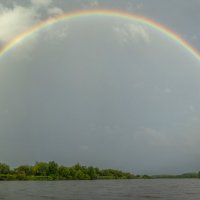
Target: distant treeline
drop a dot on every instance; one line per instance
(185, 175)
(52, 171)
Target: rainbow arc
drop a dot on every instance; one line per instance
(106, 13)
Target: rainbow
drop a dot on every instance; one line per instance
(107, 13)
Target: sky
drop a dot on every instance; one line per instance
(101, 91)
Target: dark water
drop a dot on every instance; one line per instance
(185, 189)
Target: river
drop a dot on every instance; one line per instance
(165, 189)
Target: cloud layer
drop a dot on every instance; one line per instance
(18, 18)
(132, 33)
(100, 91)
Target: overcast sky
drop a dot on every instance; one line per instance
(101, 91)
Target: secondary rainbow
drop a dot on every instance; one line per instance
(101, 13)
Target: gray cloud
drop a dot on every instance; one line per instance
(79, 96)
(131, 33)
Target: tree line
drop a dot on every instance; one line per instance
(52, 171)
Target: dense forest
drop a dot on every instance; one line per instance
(52, 171)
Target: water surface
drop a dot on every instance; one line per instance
(167, 189)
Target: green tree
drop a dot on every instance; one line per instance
(64, 172)
(92, 173)
(72, 173)
(52, 168)
(80, 175)
(41, 169)
(24, 169)
(77, 167)
(4, 169)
